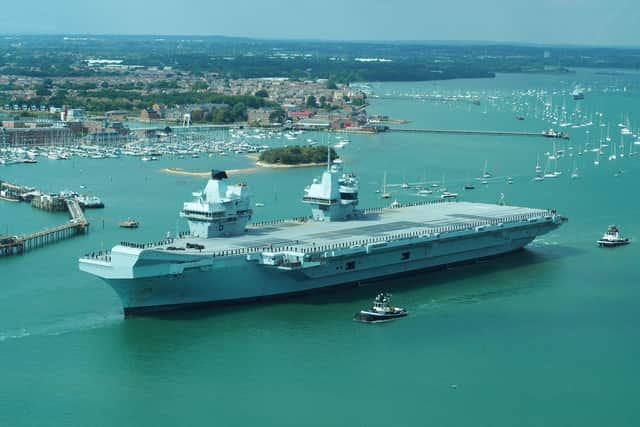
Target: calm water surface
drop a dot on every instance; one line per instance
(545, 336)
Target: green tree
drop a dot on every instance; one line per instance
(278, 116)
(331, 84)
(197, 115)
(262, 93)
(296, 155)
(200, 85)
(43, 91)
(311, 102)
(223, 115)
(239, 112)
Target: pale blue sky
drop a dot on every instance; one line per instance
(594, 22)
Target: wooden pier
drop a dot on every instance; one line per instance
(469, 132)
(78, 224)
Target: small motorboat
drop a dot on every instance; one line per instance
(612, 238)
(381, 311)
(469, 187)
(129, 223)
(448, 195)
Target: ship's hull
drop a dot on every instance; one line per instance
(155, 287)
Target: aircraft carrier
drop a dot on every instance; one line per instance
(223, 258)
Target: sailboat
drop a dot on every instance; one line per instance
(575, 174)
(384, 194)
(404, 184)
(613, 155)
(485, 174)
(538, 167)
(548, 174)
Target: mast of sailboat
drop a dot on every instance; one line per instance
(384, 183)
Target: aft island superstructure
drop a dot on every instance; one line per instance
(224, 258)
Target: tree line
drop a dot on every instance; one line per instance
(296, 154)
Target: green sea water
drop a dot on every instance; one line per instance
(545, 336)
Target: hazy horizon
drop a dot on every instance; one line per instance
(300, 39)
(547, 22)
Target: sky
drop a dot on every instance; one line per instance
(581, 22)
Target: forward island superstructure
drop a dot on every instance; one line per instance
(224, 258)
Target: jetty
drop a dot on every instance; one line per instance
(545, 134)
(78, 224)
(14, 193)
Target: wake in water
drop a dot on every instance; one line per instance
(64, 326)
(543, 242)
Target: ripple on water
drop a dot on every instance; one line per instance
(65, 325)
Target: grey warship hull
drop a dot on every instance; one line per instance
(292, 257)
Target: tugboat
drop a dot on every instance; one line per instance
(612, 238)
(382, 310)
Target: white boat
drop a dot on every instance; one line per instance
(612, 238)
(382, 310)
(547, 173)
(575, 174)
(485, 173)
